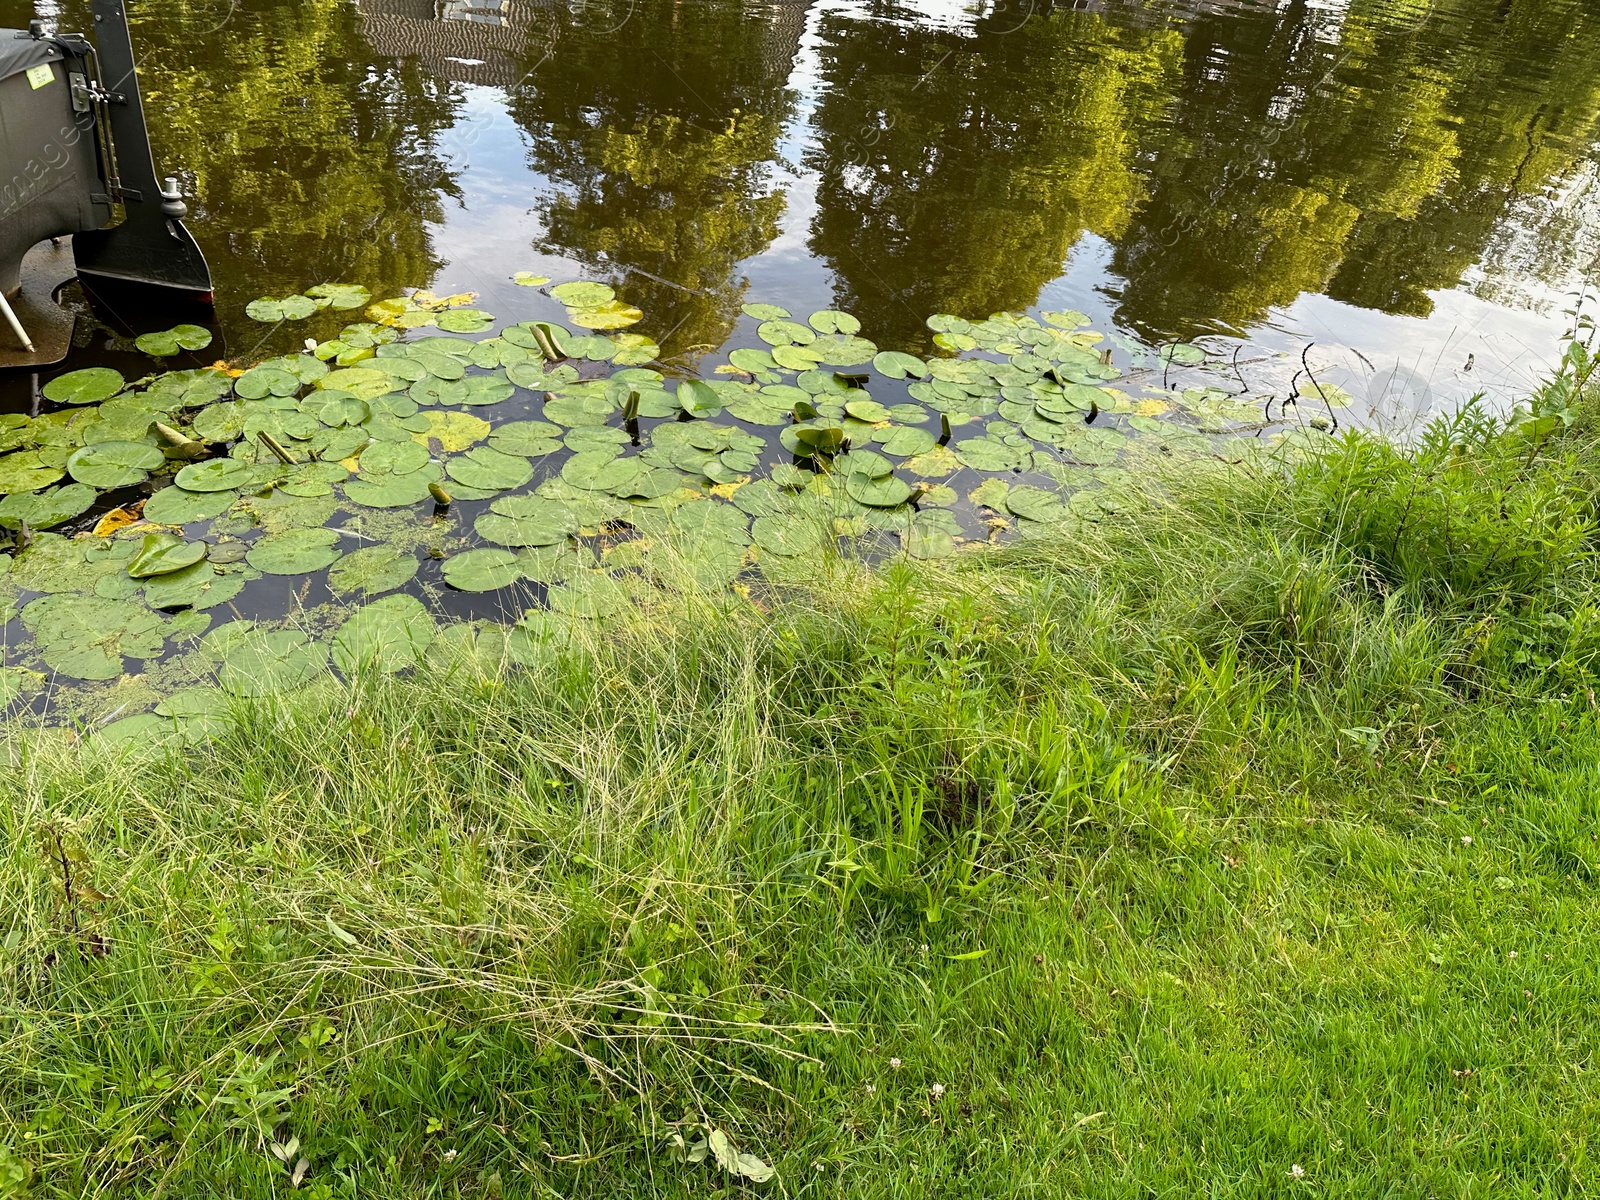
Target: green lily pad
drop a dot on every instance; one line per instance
(389, 491)
(364, 383)
(86, 637)
(885, 492)
(832, 321)
(795, 357)
(482, 570)
(454, 431)
(599, 470)
(991, 454)
(162, 554)
(199, 587)
(341, 297)
(343, 410)
(614, 314)
(180, 506)
(785, 333)
(905, 441)
(88, 386)
(529, 279)
(260, 382)
(487, 389)
(789, 535)
(290, 308)
(1035, 503)
(433, 391)
(526, 521)
(582, 295)
(216, 475)
(465, 320)
(390, 634)
(896, 365)
(1185, 354)
(843, 351)
(372, 570)
(764, 312)
(394, 458)
(698, 398)
(170, 341)
(114, 464)
(489, 469)
(256, 663)
(590, 596)
(531, 439)
(44, 509)
(295, 552)
(26, 471)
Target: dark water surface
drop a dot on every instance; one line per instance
(1409, 186)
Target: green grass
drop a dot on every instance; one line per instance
(1244, 847)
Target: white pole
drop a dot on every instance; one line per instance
(16, 325)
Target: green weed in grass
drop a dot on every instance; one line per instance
(1244, 845)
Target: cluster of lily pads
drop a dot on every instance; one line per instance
(558, 458)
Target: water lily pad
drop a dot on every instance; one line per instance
(698, 398)
(295, 552)
(1185, 354)
(764, 312)
(86, 637)
(529, 438)
(843, 351)
(489, 469)
(26, 471)
(372, 570)
(290, 308)
(832, 321)
(343, 410)
(170, 341)
(582, 295)
(796, 357)
(527, 521)
(215, 475)
(260, 382)
(482, 570)
(257, 663)
(599, 470)
(785, 333)
(634, 349)
(465, 320)
(394, 458)
(1035, 503)
(389, 491)
(44, 509)
(487, 389)
(885, 492)
(454, 431)
(905, 441)
(364, 383)
(529, 279)
(202, 586)
(88, 386)
(114, 464)
(341, 296)
(789, 535)
(162, 554)
(390, 634)
(614, 314)
(897, 365)
(991, 454)
(590, 596)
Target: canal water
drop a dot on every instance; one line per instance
(1408, 188)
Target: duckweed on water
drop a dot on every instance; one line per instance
(605, 479)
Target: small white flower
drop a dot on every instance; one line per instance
(936, 1090)
(894, 1063)
(311, 345)
(872, 1089)
(1512, 954)
(1465, 840)
(1297, 1172)
(449, 1155)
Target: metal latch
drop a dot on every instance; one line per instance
(81, 97)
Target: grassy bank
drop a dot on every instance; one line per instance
(1243, 846)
